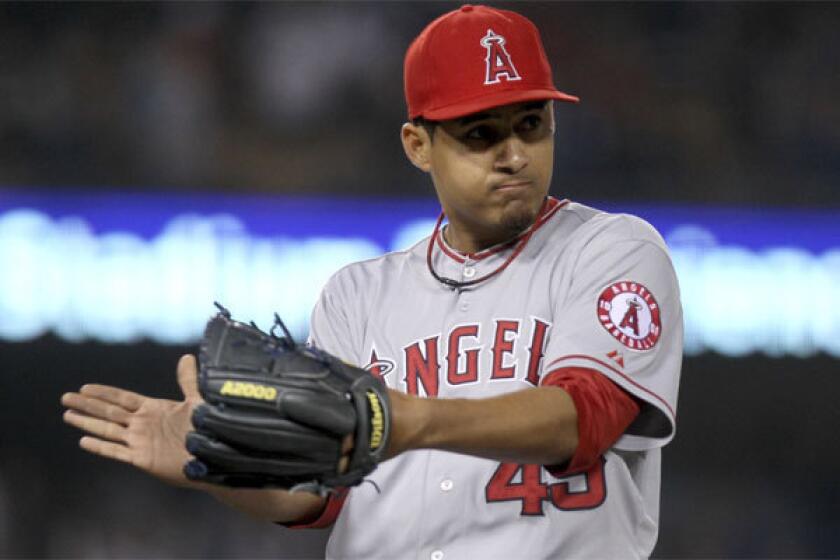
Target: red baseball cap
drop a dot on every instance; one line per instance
(475, 58)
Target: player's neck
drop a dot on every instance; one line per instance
(469, 242)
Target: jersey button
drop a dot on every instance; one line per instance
(446, 485)
(437, 555)
(469, 272)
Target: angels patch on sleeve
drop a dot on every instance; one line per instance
(629, 312)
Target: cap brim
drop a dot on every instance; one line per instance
(495, 100)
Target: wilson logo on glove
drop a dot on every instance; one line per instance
(377, 423)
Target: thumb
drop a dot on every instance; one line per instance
(188, 377)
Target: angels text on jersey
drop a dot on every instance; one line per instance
(454, 357)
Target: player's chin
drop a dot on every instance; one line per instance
(518, 214)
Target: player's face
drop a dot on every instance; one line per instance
(492, 170)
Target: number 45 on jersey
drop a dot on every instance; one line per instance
(513, 482)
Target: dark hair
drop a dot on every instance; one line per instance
(427, 124)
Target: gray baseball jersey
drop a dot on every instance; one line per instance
(589, 289)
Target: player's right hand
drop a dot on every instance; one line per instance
(142, 431)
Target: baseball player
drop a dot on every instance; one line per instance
(531, 346)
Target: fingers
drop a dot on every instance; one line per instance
(188, 376)
(127, 399)
(96, 408)
(107, 449)
(346, 448)
(347, 444)
(96, 426)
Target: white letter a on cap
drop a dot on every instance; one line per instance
(497, 61)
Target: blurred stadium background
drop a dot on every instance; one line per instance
(154, 156)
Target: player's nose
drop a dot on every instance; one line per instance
(512, 156)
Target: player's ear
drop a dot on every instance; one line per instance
(417, 145)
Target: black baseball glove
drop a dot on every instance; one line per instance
(276, 412)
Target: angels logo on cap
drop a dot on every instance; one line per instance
(498, 62)
(631, 314)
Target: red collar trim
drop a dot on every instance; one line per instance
(451, 253)
(549, 208)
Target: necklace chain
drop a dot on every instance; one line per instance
(455, 283)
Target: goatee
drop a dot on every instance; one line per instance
(518, 219)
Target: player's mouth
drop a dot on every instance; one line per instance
(513, 186)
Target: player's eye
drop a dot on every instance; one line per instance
(530, 122)
(481, 133)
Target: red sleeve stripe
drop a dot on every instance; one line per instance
(622, 375)
(329, 514)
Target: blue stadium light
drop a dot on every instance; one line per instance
(122, 267)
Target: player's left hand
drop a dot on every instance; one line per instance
(142, 431)
(282, 415)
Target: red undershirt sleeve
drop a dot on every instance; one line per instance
(328, 515)
(604, 411)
